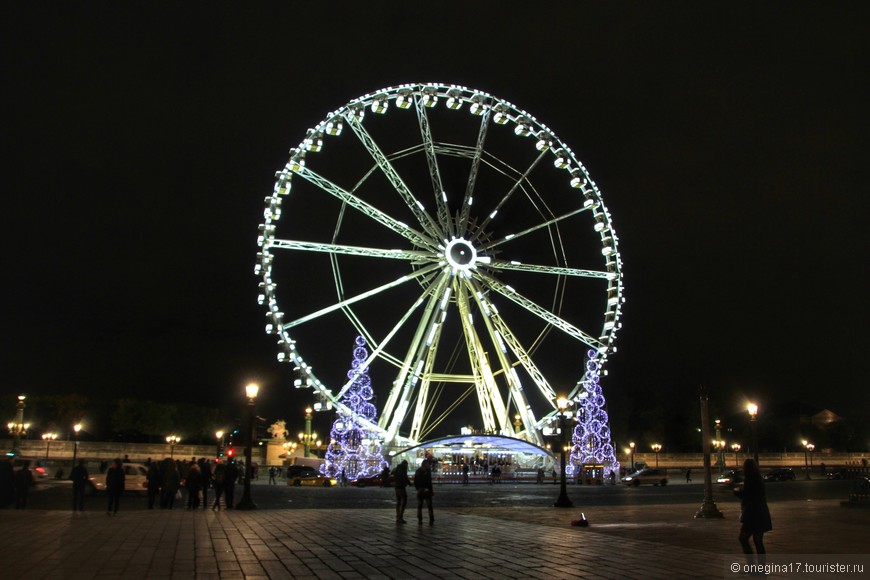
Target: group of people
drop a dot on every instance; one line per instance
(423, 486)
(14, 484)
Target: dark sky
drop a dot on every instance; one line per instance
(730, 144)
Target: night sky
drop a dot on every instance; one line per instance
(730, 144)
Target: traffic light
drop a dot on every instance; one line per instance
(231, 452)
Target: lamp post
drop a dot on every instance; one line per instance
(563, 501)
(708, 508)
(246, 502)
(76, 428)
(811, 448)
(307, 438)
(631, 451)
(808, 447)
(735, 447)
(18, 428)
(719, 446)
(219, 435)
(752, 409)
(173, 440)
(656, 447)
(48, 438)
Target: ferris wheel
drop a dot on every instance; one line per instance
(463, 240)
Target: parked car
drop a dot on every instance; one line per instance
(135, 478)
(653, 476)
(838, 473)
(373, 481)
(315, 480)
(784, 474)
(731, 478)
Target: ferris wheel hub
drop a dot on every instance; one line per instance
(460, 254)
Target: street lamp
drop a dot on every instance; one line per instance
(752, 409)
(631, 450)
(656, 447)
(48, 438)
(563, 501)
(18, 428)
(708, 508)
(247, 503)
(735, 447)
(307, 438)
(76, 428)
(173, 440)
(219, 435)
(808, 448)
(719, 446)
(812, 448)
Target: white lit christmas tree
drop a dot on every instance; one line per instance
(352, 449)
(591, 437)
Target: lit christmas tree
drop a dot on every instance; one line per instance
(591, 437)
(353, 449)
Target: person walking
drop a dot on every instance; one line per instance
(205, 470)
(754, 513)
(194, 486)
(689, 475)
(23, 481)
(423, 485)
(79, 477)
(401, 481)
(155, 481)
(171, 481)
(230, 477)
(272, 473)
(464, 473)
(218, 482)
(114, 486)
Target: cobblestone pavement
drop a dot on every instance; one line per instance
(662, 541)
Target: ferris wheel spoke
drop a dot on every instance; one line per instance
(512, 237)
(416, 207)
(348, 301)
(465, 211)
(560, 271)
(409, 373)
(509, 194)
(539, 311)
(413, 256)
(415, 237)
(443, 212)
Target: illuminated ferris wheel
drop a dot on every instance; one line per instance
(463, 240)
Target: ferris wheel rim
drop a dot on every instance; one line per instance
(426, 238)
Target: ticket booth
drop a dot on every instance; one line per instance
(592, 474)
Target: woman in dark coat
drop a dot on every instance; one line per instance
(754, 514)
(193, 483)
(401, 483)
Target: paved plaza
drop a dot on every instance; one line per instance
(657, 541)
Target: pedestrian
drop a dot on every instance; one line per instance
(272, 474)
(7, 482)
(114, 486)
(194, 486)
(343, 477)
(689, 475)
(79, 476)
(205, 470)
(171, 481)
(155, 481)
(540, 477)
(230, 477)
(218, 482)
(554, 476)
(464, 473)
(754, 513)
(423, 485)
(23, 481)
(385, 476)
(401, 481)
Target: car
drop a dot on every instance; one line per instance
(317, 479)
(838, 473)
(784, 474)
(135, 478)
(653, 476)
(731, 478)
(373, 481)
(36, 466)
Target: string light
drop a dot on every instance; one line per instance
(591, 437)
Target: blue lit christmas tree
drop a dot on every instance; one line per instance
(591, 437)
(352, 448)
